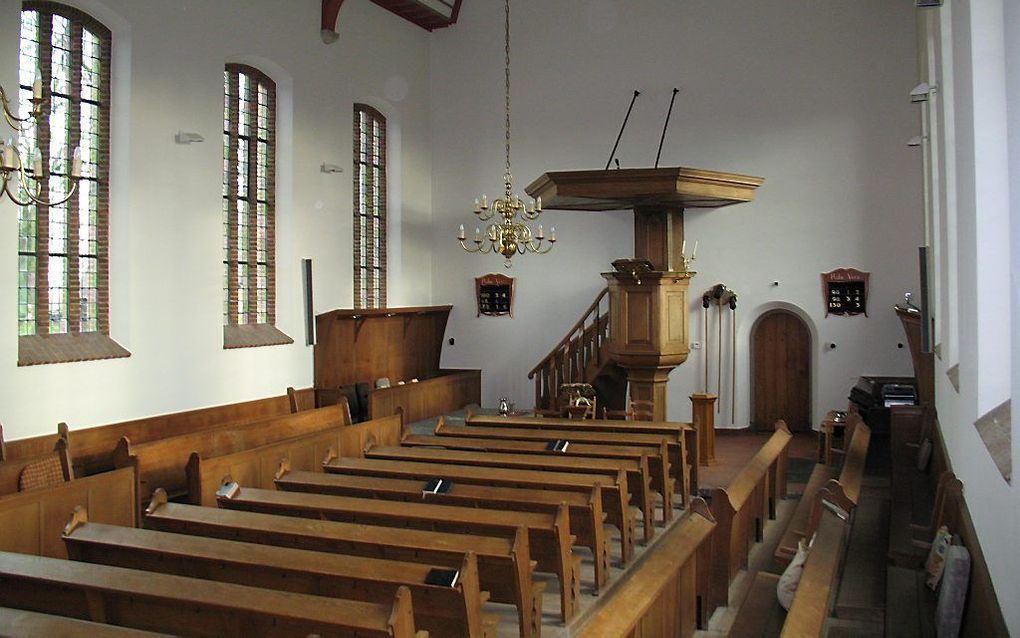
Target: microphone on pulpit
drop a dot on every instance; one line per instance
(665, 126)
(617, 160)
(627, 117)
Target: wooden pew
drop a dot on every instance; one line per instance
(586, 516)
(30, 624)
(257, 466)
(740, 511)
(30, 522)
(675, 458)
(910, 605)
(761, 616)
(658, 463)
(161, 463)
(846, 491)
(614, 491)
(636, 473)
(92, 447)
(660, 597)
(504, 565)
(683, 438)
(19, 475)
(442, 611)
(548, 534)
(190, 606)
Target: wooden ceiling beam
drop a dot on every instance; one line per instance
(410, 10)
(330, 14)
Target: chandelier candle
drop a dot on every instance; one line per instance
(508, 235)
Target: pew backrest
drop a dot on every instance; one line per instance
(283, 568)
(191, 606)
(47, 470)
(161, 463)
(92, 447)
(31, 522)
(257, 466)
(818, 585)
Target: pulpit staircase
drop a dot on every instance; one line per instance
(581, 357)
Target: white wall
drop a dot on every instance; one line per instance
(975, 65)
(810, 95)
(166, 199)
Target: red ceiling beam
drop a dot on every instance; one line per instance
(412, 11)
(330, 13)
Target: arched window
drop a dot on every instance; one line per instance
(369, 207)
(63, 251)
(249, 211)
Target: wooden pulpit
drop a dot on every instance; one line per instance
(648, 310)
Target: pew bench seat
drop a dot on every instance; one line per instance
(760, 615)
(451, 612)
(910, 610)
(31, 624)
(797, 527)
(191, 606)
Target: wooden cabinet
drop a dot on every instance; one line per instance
(400, 344)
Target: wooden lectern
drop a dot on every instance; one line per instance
(649, 310)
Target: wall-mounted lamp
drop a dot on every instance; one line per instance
(921, 92)
(183, 137)
(914, 141)
(331, 168)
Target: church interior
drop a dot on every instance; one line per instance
(525, 318)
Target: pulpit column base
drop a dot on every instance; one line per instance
(648, 386)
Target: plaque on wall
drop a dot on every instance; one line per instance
(846, 292)
(495, 293)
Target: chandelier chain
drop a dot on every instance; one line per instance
(507, 60)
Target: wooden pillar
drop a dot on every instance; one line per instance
(649, 384)
(659, 237)
(704, 423)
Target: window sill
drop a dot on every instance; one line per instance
(253, 336)
(66, 348)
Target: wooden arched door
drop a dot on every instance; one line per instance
(781, 371)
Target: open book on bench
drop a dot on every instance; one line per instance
(559, 445)
(442, 577)
(437, 486)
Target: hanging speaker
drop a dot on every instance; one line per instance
(306, 276)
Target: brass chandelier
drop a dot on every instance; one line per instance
(508, 235)
(13, 169)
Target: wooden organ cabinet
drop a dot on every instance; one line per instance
(356, 348)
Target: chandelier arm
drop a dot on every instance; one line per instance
(15, 122)
(10, 193)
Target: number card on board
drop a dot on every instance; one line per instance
(495, 294)
(845, 291)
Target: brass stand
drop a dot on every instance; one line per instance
(704, 423)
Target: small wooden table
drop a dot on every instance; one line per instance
(833, 425)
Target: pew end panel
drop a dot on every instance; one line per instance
(659, 596)
(31, 522)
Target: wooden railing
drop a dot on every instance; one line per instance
(577, 358)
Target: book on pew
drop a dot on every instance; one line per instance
(437, 486)
(559, 445)
(442, 577)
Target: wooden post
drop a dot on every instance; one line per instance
(704, 423)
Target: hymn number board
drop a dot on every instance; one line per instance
(495, 294)
(846, 292)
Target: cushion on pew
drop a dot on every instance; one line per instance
(953, 593)
(45, 473)
(787, 585)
